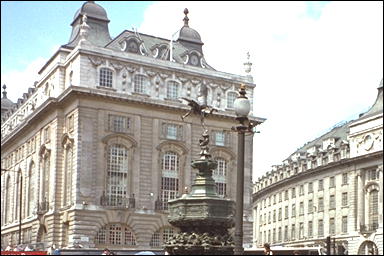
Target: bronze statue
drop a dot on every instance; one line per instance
(196, 108)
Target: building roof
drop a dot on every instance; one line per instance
(187, 33)
(93, 10)
(377, 107)
(5, 102)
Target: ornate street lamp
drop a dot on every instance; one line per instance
(242, 107)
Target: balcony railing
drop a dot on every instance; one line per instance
(118, 201)
(369, 227)
(161, 205)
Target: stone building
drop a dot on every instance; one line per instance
(332, 186)
(100, 144)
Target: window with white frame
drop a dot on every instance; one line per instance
(310, 228)
(310, 187)
(115, 234)
(374, 208)
(301, 230)
(220, 176)
(332, 226)
(332, 182)
(172, 90)
(344, 199)
(320, 228)
(219, 138)
(293, 232)
(344, 224)
(7, 200)
(293, 214)
(332, 202)
(231, 97)
(345, 179)
(46, 171)
(321, 204)
(301, 208)
(170, 177)
(171, 131)
(321, 185)
(140, 83)
(310, 206)
(119, 123)
(105, 77)
(117, 174)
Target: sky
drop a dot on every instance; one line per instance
(314, 64)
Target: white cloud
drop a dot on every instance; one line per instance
(310, 73)
(18, 81)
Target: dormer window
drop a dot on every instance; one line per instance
(105, 77)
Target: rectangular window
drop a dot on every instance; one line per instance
(373, 174)
(336, 157)
(172, 90)
(310, 228)
(274, 199)
(293, 210)
(293, 192)
(325, 160)
(286, 212)
(301, 190)
(119, 123)
(332, 226)
(345, 179)
(344, 224)
(47, 134)
(280, 210)
(321, 185)
(269, 217)
(279, 235)
(344, 199)
(320, 228)
(70, 122)
(274, 215)
(301, 230)
(280, 197)
(219, 138)
(139, 83)
(321, 204)
(310, 187)
(331, 182)
(310, 206)
(286, 238)
(105, 78)
(286, 195)
(293, 232)
(301, 208)
(332, 202)
(274, 235)
(231, 97)
(171, 131)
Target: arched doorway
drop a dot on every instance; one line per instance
(368, 248)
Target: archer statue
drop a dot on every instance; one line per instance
(199, 108)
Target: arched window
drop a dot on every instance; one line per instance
(31, 189)
(115, 234)
(374, 209)
(105, 77)
(231, 97)
(140, 83)
(170, 177)
(16, 197)
(117, 174)
(161, 236)
(172, 90)
(219, 175)
(68, 176)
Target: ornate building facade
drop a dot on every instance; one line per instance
(332, 186)
(99, 142)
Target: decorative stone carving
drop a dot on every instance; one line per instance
(96, 61)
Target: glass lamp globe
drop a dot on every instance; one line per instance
(242, 106)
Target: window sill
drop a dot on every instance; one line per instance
(106, 88)
(173, 100)
(141, 94)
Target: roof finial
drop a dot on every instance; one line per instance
(186, 19)
(248, 64)
(4, 92)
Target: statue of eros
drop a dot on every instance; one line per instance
(199, 109)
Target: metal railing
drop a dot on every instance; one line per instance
(161, 205)
(369, 227)
(118, 201)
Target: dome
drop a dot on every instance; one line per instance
(5, 102)
(91, 9)
(189, 34)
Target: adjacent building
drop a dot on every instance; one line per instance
(332, 186)
(99, 142)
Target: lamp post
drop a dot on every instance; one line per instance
(242, 107)
(20, 197)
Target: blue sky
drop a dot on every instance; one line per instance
(314, 63)
(29, 28)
